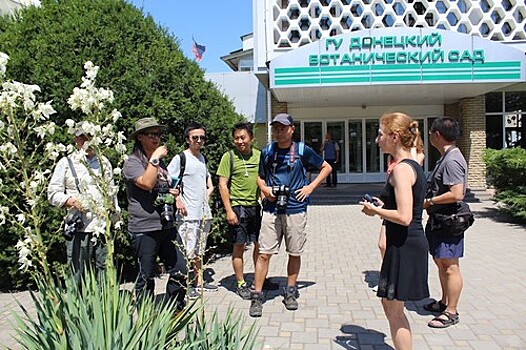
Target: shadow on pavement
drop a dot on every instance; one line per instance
(371, 277)
(498, 216)
(357, 337)
(229, 283)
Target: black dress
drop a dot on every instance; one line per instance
(404, 269)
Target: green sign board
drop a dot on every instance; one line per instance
(398, 56)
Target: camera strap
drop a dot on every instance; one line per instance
(74, 173)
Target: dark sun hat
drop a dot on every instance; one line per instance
(143, 124)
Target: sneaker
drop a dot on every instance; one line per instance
(193, 293)
(291, 294)
(269, 285)
(243, 291)
(256, 304)
(208, 287)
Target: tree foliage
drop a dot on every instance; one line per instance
(140, 61)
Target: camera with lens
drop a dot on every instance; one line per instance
(72, 225)
(165, 201)
(282, 196)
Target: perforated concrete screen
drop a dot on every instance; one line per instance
(297, 23)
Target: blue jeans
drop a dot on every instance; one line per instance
(81, 252)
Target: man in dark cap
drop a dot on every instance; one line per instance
(283, 181)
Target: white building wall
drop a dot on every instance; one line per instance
(9, 6)
(245, 91)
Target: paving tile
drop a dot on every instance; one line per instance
(338, 309)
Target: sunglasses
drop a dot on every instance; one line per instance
(199, 137)
(153, 135)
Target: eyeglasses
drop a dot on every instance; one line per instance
(153, 135)
(199, 137)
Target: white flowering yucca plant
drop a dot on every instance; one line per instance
(25, 161)
(94, 312)
(103, 138)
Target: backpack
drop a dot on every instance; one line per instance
(270, 151)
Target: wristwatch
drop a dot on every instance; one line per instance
(430, 201)
(154, 161)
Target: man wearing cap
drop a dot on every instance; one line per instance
(73, 187)
(282, 173)
(150, 196)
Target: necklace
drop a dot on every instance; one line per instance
(244, 163)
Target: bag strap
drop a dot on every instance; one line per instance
(74, 173)
(182, 167)
(441, 161)
(231, 152)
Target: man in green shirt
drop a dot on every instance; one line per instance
(239, 191)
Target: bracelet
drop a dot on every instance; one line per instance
(430, 201)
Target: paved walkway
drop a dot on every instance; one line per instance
(338, 309)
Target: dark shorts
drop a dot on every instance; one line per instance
(443, 247)
(247, 230)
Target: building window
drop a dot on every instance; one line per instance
(505, 112)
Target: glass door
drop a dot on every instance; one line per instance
(355, 156)
(337, 131)
(364, 157)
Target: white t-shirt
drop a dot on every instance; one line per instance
(194, 183)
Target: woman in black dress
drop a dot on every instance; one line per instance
(403, 275)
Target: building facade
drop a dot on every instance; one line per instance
(338, 65)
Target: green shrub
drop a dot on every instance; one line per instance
(140, 61)
(507, 173)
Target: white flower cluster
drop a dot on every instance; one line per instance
(3, 63)
(25, 248)
(24, 130)
(3, 212)
(89, 98)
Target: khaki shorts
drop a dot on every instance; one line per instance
(193, 234)
(274, 227)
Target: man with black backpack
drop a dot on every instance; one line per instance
(283, 181)
(193, 215)
(238, 171)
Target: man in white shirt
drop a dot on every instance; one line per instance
(74, 186)
(193, 215)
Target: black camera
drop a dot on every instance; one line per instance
(72, 225)
(165, 201)
(368, 198)
(282, 196)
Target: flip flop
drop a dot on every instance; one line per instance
(450, 320)
(435, 306)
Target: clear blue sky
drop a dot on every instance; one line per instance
(216, 24)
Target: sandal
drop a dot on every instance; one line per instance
(435, 306)
(450, 320)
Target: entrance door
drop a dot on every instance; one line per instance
(364, 156)
(337, 130)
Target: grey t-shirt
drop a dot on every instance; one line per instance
(143, 215)
(452, 170)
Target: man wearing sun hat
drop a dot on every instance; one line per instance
(283, 172)
(73, 187)
(150, 196)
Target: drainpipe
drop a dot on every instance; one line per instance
(269, 116)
